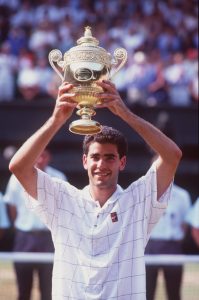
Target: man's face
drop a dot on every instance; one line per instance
(103, 165)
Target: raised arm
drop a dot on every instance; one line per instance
(168, 153)
(22, 165)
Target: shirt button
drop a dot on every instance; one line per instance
(97, 216)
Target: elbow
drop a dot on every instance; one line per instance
(13, 167)
(177, 155)
(20, 169)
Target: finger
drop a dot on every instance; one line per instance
(107, 101)
(105, 104)
(107, 85)
(67, 98)
(67, 95)
(67, 104)
(107, 96)
(64, 88)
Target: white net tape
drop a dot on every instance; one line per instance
(48, 257)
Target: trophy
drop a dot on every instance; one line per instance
(82, 66)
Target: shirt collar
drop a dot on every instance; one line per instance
(112, 199)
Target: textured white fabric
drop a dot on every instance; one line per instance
(15, 195)
(99, 251)
(170, 225)
(4, 221)
(193, 215)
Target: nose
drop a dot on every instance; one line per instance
(100, 163)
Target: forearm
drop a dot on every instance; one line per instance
(167, 152)
(155, 139)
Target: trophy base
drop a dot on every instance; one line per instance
(85, 127)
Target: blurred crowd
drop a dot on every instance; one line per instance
(161, 38)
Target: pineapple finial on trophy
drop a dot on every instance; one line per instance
(88, 38)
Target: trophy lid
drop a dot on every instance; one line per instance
(88, 38)
(87, 52)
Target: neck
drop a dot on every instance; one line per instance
(101, 194)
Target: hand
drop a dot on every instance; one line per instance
(111, 98)
(65, 103)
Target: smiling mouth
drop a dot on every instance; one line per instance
(101, 174)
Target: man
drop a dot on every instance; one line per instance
(192, 219)
(31, 234)
(99, 232)
(167, 238)
(4, 220)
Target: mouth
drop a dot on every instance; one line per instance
(101, 174)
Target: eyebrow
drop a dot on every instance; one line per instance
(109, 155)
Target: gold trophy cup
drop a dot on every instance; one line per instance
(82, 66)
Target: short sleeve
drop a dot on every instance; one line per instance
(45, 204)
(192, 217)
(4, 220)
(154, 208)
(52, 195)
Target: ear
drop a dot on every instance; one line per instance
(122, 163)
(84, 161)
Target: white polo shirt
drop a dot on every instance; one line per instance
(16, 196)
(4, 220)
(170, 225)
(192, 217)
(99, 251)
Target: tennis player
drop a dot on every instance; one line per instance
(99, 232)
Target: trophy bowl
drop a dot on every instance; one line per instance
(84, 65)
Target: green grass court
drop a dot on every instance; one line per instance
(190, 287)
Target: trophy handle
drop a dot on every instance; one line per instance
(120, 56)
(55, 56)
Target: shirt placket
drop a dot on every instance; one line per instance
(97, 213)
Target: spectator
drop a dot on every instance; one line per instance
(139, 76)
(8, 68)
(17, 40)
(53, 86)
(4, 221)
(157, 89)
(43, 37)
(23, 17)
(192, 219)
(178, 82)
(166, 238)
(45, 74)
(31, 234)
(29, 85)
(191, 65)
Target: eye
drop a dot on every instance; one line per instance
(110, 157)
(94, 157)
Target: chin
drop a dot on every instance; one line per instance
(100, 184)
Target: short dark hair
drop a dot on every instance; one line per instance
(108, 135)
